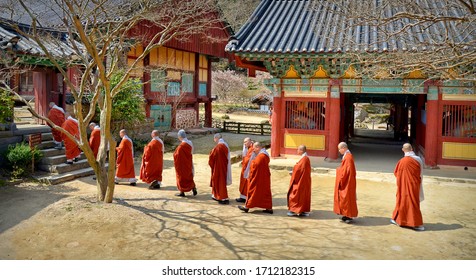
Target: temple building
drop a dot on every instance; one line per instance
(305, 46)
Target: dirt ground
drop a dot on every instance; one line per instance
(66, 222)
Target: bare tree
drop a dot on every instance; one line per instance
(392, 38)
(237, 12)
(99, 35)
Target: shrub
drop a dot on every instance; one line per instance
(6, 106)
(19, 159)
(225, 117)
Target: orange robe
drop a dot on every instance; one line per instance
(345, 197)
(57, 117)
(125, 159)
(407, 209)
(184, 167)
(152, 162)
(95, 140)
(259, 183)
(72, 149)
(244, 164)
(299, 194)
(218, 162)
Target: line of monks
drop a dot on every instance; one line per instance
(255, 177)
(64, 120)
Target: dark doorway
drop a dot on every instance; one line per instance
(376, 126)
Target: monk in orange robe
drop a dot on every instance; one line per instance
(125, 160)
(299, 194)
(72, 149)
(220, 164)
(94, 138)
(56, 115)
(183, 163)
(409, 190)
(345, 196)
(247, 153)
(259, 185)
(153, 161)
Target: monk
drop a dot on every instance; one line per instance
(72, 150)
(125, 160)
(94, 138)
(299, 194)
(56, 115)
(220, 164)
(259, 184)
(409, 190)
(183, 163)
(153, 162)
(247, 153)
(345, 197)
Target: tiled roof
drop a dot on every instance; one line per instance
(58, 48)
(304, 27)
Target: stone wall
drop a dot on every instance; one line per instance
(186, 118)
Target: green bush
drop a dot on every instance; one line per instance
(19, 158)
(6, 106)
(225, 117)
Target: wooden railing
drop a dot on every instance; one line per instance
(247, 128)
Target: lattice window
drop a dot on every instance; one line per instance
(308, 115)
(26, 83)
(459, 121)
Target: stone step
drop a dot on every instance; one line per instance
(22, 114)
(51, 152)
(65, 177)
(56, 159)
(64, 167)
(46, 145)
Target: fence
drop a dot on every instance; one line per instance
(247, 128)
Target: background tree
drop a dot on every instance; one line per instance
(436, 37)
(100, 34)
(237, 12)
(229, 86)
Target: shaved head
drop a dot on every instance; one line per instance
(407, 147)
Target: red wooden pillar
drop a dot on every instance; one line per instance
(334, 121)
(146, 85)
(432, 132)
(39, 87)
(276, 131)
(208, 103)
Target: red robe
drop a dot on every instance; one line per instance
(152, 162)
(244, 164)
(57, 117)
(95, 140)
(259, 183)
(345, 197)
(218, 162)
(72, 149)
(407, 209)
(184, 167)
(125, 160)
(299, 194)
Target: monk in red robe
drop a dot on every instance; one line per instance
(56, 115)
(299, 194)
(247, 153)
(153, 161)
(345, 196)
(94, 138)
(125, 160)
(72, 149)
(259, 185)
(220, 164)
(183, 162)
(409, 190)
